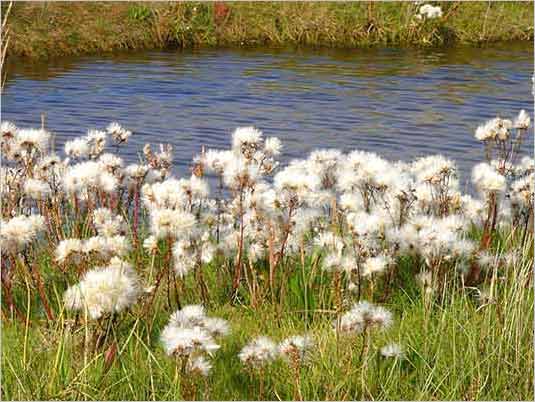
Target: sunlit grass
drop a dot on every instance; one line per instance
(54, 29)
(458, 349)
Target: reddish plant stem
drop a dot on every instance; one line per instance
(136, 216)
(38, 280)
(159, 278)
(238, 268)
(7, 293)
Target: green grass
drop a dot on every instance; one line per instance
(44, 30)
(455, 350)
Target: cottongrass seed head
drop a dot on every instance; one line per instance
(259, 352)
(364, 316)
(110, 289)
(190, 331)
(393, 350)
(296, 348)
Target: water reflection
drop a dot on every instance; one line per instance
(400, 103)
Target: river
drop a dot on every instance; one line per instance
(399, 103)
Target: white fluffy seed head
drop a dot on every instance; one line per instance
(77, 148)
(69, 250)
(19, 232)
(364, 316)
(118, 133)
(182, 341)
(189, 316)
(296, 347)
(245, 136)
(428, 11)
(487, 179)
(496, 128)
(258, 352)
(375, 265)
(33, 138)
(37, 189)
(106, 290)
(190, 332)
(87, 177)
(522, 121)
(393, 351)
(199, 365)
(272, 146)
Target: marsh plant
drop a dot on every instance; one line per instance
(103, 247)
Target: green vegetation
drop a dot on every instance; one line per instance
(43, 30)
(461, 348)
(98, 259)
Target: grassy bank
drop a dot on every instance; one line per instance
(43, 30)
(392, 283)
(458, 348)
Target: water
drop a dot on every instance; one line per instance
(399, 103)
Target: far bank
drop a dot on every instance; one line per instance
(41, 31)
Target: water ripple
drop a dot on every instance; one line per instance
(399, 103)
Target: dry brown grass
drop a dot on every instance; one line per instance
(42, 30)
